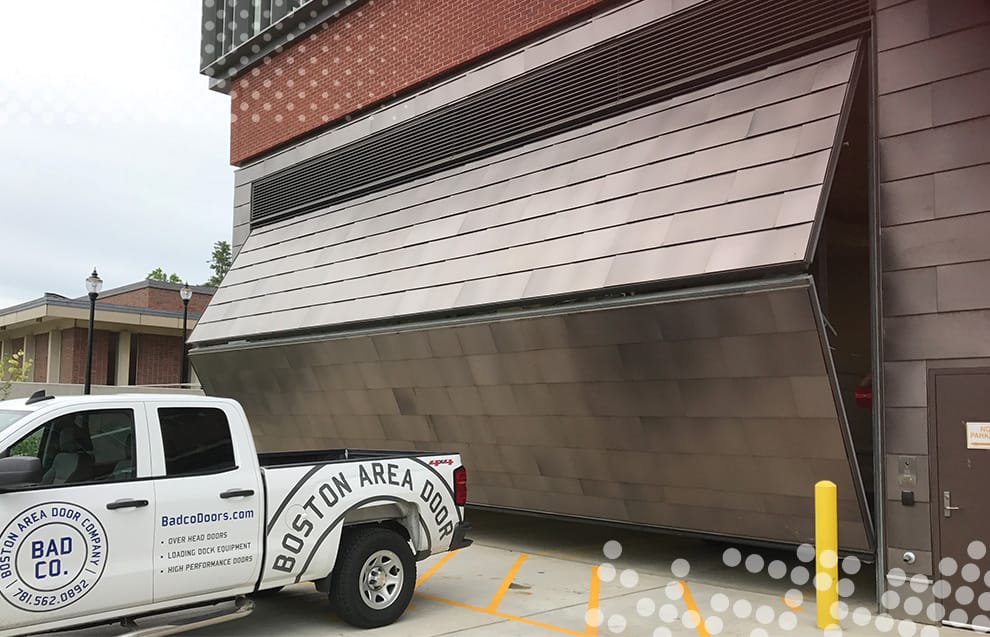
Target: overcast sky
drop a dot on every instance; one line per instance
(113, 152)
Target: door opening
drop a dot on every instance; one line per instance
(841, 270)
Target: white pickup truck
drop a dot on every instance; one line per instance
(117, 507)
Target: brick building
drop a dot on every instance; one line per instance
(137, 338)
(659, 262)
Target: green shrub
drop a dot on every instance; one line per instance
(15, 369)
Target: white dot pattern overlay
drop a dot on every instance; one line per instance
(906, 595)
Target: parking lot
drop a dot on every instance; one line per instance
(528, 577)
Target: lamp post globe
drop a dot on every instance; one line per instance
(93, 286)
(185, 293)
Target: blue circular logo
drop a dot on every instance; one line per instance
(51, 555)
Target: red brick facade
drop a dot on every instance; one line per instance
(40, 369)
(160, 358)
(157, 299)
(370, 53)
(73, 366)
(138, 343)
(68, 354)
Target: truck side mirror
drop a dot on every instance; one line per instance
(20, 470)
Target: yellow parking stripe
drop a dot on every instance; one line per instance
(691, 606)
(572, 553)
(506, 582)
(433, 569)
(495, 613)
(589, 628)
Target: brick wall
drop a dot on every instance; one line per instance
(67, 354)
(934, 122)
(134, 298)
(158, 358)
(73, 366)
(370, 53)
(170, 300)
(40, 369)
(158, 299)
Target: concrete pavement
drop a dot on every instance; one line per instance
(532, 577)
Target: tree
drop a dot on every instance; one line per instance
(219, 262)
(159, 275)
(14, 370)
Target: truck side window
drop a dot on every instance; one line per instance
(87, 446)
(196, 440)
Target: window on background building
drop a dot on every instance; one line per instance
(260, 11)
(133, 362)
(113, 342)
(240, 21)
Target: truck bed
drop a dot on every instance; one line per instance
(322, 456)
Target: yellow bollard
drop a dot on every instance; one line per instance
(826, 553)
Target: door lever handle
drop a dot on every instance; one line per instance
(126, 504)
(237, 493)
(947, 504)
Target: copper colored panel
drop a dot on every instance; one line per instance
(962, 286)
(914, 291)
(797, 111)
(905, 111)
(711, 411)
(658, 194)
(902, 24)
(939, 242)
(935, 149)
(734, 218)
(933, 59)
(963, 191)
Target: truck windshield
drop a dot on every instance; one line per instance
(9, 417)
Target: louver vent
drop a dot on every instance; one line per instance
(714, 40)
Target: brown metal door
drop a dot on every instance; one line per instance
(959, 499)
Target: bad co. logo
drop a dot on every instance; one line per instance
(50, 556)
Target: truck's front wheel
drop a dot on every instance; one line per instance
(374, 577)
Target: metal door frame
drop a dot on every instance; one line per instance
(876, 314)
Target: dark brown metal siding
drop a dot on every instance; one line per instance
(934, 128)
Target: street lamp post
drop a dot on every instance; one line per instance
(93, 286)
(185, 293)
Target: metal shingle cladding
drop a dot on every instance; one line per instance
(661, 58)
(705, 410)
(726, 178)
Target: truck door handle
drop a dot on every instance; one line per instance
(126, 504)
(237, 493)
(947, 504)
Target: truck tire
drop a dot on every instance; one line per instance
(374, 577)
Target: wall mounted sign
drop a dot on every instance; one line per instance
(978, 435)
